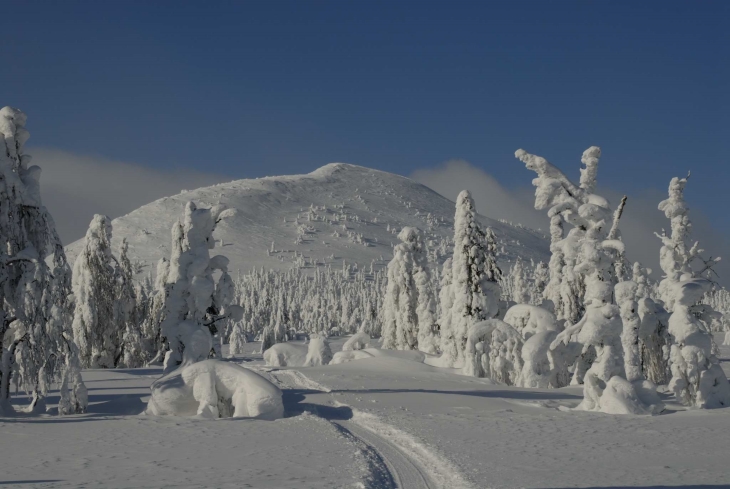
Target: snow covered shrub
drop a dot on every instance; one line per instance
(286, 355)
(530, 320)
(474, 280)
(319, 352)
(358, 341)
(190, 308)
(215, 389)
(493, 350)
(697, 378)
(36, 341)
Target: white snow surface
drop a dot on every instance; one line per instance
(376, 205)
(380, 422)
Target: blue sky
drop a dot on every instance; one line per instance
(249, 89)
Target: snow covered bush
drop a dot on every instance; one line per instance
(286, 355)
(36, 341)
(474, 281)
(319, 352)
(626, 298)
(358, 341)
(493, 350)
(215, 389)
(190, 309)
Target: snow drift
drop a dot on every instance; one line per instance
(215, 389)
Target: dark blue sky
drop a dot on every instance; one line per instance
(262, 88)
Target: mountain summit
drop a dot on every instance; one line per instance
(337, 213)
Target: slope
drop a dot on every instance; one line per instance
(337, 213)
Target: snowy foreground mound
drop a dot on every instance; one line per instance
(215, 389)
(337, 213)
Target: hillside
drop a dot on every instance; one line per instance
(355, 215)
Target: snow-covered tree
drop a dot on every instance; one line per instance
(97, 331)
(697, 379)
(520, 292)
(400, 329)
(190, 310)
(493, 350)
(127, 313)
(475, 275)
(626, 299)
(36, 342)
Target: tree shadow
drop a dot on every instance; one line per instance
(30, 481)
(294, 406)
(692, 486)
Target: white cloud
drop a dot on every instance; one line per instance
(638, 224)
(75, 187)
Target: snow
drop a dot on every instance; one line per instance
(358, 341)
(286, 355)
(381, 422)
(372, 202)
(214, 389)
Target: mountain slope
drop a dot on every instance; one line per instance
(356, 213)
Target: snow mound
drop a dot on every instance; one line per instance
(623, 397)
(358, 341)
(286, 355)
(215, 389)
(409, 355)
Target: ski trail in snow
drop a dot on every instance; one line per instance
(300, 380)
(395, 458)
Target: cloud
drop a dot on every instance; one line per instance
(640, 220)
(75, 187)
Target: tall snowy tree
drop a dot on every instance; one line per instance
(97, 331)
(697, 378)
(474, 277)
(36, 342)
(190, 310)
(400, 329)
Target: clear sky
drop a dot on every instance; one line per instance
(261, 88)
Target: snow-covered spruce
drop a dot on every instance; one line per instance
(190, 310)
(215, 389)
(402, 302)
(36, 342)
(474, 281)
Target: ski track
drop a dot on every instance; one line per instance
(394, 458)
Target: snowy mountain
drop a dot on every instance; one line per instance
(337, 213)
